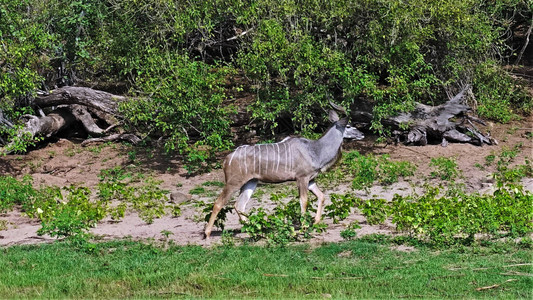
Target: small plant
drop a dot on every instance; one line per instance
(349, 233)
(3, 224)
(213, 183)
(221, 217)
(505, 173)
(96, 149)
(67, 217)
(166, 234)
(489, 159)
(368, 169)
(341, 206)
(147, 199)
(227, 238)
(444, 168)
(376, 211)
(132, 155)
(284, 225)
(13, 191)
(70, 151)
(197, 191)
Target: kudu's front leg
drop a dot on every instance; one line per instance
(219, 203)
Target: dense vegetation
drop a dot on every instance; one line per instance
(441, 214)
(185, 62)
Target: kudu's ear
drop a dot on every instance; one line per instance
(338, 108)
(343, 122)
(333, 116)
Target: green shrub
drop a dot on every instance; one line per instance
(445, 219)
(367, 169)
(294, 75)
(148, 200)
(341, 206)
(349, 232)
(500, 97)
(444, 168)
(375, 210)
(15, 192)
(65, 217)
(184, 63)
(285, 224)
(185, 102)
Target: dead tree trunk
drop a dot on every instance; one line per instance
(448, 122)
(96, 111)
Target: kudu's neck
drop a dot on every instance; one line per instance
(327, 147)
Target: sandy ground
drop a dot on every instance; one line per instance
(66, 162)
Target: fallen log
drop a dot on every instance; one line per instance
(448, 122)
(95, 99)
(96, 111)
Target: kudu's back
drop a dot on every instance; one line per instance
(276, 162)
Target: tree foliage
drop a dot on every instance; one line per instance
(182, 59)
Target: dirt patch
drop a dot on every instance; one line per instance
(64, 163)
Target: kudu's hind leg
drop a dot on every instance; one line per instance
(246, 193)
(222, 199)
(320, 196)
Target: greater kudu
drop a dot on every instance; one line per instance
(294, 158)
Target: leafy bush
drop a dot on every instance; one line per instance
(444, 219)
(14, 192)
(368, 169)
(500, 96)
(349, 232)
(376, 211)
(294, 75)
(283, 225)
(187, 60)
(341, 206)
(185, 105)
(25, 51)
(69, 217)
(444, 168)
(147, 199)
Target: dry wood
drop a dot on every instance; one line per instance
(114, 137)
(91, 108)
(525, 44)
(494, 285)
(99, 100)
(49, 125)
(448, 122)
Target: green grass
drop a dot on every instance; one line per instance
(357, 269)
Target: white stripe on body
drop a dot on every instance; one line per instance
(267, 159)
(290, 158)
(286, 156)
(277, 165)
(245, 158)
(259, 146)
(272, 158)
(240, 158)
(232, 155)
(254, 157)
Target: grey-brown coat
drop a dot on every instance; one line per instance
(293, 159)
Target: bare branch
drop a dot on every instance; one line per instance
(525, 44)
